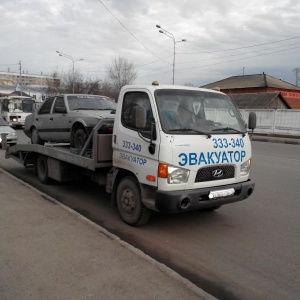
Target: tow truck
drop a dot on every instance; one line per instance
(167, 149)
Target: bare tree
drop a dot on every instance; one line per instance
(53, 85)
(73, 78)
(120, 72)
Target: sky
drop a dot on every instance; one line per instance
(224, 38)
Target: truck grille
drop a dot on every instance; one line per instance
(214, 173)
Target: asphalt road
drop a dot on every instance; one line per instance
(246, 250)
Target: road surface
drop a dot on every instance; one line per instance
(245, 250)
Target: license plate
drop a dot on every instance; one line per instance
(221, 193)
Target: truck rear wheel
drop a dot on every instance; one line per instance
(130, 206)
(42, 169)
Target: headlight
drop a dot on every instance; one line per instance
(245, 168)
(12, 134)
(177, 175)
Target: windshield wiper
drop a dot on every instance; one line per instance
(190, 129)
(228, 129)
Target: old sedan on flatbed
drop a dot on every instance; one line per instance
(68, 118)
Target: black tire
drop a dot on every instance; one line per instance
(129, 203)
(35, 138)
(79, 138)
(42, 169)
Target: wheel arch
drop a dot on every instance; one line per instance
(79, 123)
(119, 174)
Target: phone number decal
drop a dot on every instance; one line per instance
(132, 146)
(225, 143)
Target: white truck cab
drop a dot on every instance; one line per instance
(178, 149)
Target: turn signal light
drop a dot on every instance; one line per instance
(162, 170)
(151, 178)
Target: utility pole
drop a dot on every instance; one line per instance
(170, 35)
(243, 68)
(20, 79)
(296, 72)
(73, 62)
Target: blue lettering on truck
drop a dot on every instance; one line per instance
(209, 158)
(133, 159)
(225, 143)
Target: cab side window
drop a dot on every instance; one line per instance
(132, 99)
(46, 107)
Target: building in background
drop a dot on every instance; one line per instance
(33, 85)
(259, 83)
(260, 101)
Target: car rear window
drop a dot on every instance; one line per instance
(90, 103)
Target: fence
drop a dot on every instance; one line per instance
(272, 121)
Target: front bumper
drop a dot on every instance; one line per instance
(176, 201)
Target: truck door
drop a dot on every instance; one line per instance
(132, 146)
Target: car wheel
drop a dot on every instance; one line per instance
(35, 138)
(129, 203)
(79, 138)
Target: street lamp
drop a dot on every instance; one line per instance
(73, 62)
(171, 36)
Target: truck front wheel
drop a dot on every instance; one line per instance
(129, 203)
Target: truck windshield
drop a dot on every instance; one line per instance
(28, 105)
(197, 112)
(19, 105)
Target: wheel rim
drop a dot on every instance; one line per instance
(128, 202)
(80, 139)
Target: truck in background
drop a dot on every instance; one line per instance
(172, 149)
(14, 109)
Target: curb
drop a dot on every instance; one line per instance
(163, 268)
(276, 140)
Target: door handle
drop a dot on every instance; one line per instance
(51, 119)
(37, 119)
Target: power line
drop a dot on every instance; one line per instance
(9, 65)
(240, 48)
(219, 63)
(240, 54)
(245, 47)
(131, 32)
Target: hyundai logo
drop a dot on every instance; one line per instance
(218, 173)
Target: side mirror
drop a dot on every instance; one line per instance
(252, 120)
(139, 117)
